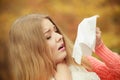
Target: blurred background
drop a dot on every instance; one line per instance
(65, 13)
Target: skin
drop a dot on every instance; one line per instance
(98, 37)
(55, 41)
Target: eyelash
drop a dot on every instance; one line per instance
(49, 37)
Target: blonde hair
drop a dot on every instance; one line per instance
(30, 55)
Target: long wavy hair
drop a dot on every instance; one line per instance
(30, 55)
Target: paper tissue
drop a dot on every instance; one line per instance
(86, 38)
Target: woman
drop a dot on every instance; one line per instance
(40, 51)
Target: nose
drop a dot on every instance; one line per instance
(59, 37)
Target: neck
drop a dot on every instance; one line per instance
(62, 71)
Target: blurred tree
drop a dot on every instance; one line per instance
(113, 2)
(67, 14)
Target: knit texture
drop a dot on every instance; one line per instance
(109, 67)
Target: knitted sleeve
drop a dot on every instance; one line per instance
(109, 69)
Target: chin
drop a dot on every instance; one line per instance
(61, 57)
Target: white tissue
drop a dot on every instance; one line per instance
(86, 38)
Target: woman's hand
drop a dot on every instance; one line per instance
(62, 72)
(98, 37)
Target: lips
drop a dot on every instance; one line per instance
(62, 47)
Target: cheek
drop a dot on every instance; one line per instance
(53, 46)
(58, 56)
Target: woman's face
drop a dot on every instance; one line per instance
(54, 40)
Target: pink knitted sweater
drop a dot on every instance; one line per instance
(109, 67)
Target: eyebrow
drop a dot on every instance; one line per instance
(46, 31)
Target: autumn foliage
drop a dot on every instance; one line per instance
(67, 14)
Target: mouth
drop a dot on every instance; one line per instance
(61, 48)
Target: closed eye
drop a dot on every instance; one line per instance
(49, 37)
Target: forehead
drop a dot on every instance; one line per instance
(46, 23)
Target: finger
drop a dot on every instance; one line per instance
(98, 35)
(97, 28)
(98, 31)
